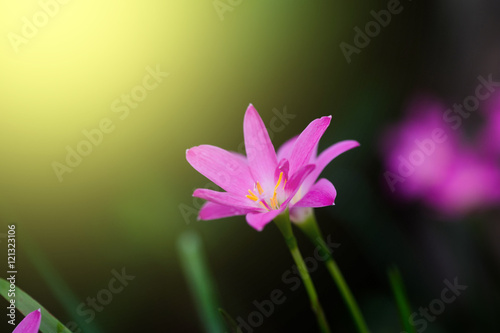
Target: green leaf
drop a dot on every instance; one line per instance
(200, 282)
(58, 286)
(401, 299)
(25, 304)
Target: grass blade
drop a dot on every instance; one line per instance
(58, 286)
(233, 326)
(399, 292)
(25, 304)
(200, 281)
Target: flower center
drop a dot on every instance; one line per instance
(273, 201)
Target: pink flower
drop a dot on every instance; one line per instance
(30, 324)
(427, 161)
(263, 185)
(472, 182)
(414, 153)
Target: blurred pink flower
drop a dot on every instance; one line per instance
(262, 184)
(419, 151)
(471, 182)
(30, 324)
(427, 161)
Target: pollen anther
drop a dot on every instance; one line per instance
(252, 196)
(274, 204)
(259, 188)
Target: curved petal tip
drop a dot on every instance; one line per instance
(251, 108)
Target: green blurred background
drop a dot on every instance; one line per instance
(128, 201)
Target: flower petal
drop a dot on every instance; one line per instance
(321, 194)
(286, 149)
(326, 157)
(294, 183)
(260, 151)
(224, 198)
(242, 157)
(30, 323)
(213, 211)
(259, 220)
(283, 166)
(226, 169)
(305, 145)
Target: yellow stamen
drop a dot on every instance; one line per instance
(279, 182)
(274, 201)
(259, 188)
(274, 204)
(252, 196)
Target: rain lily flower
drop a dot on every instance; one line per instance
(30, 324)
(416, 157)
(266, 186)
(427, 160)
(263, 184)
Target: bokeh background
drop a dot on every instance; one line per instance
(126, 204)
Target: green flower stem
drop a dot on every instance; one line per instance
(283, 223)
(311, 229)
